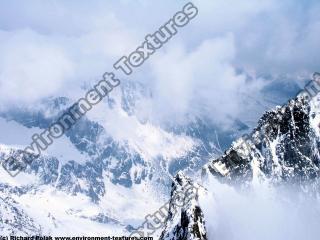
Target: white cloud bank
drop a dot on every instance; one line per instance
(263, 212)
(52, 48)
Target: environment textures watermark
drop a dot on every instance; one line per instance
(40, 142)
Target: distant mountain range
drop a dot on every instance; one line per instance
(103, 177)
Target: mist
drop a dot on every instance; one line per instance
(261, 212)
(227, 55)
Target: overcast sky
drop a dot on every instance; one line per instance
(51, 48)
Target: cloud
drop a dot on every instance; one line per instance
(216, 65)
(271, 37)
(53, 49)
(200, 82)
(211, 66)
(261, 212)
(31, 67)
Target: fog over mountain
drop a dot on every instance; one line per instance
(178, 112)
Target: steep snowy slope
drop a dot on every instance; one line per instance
(284, 147)
(106, 157)
(14, 221)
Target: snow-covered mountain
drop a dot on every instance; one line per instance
(107, 156)
(278, 162)
(186, 221)
(284, 147)
(110, 165)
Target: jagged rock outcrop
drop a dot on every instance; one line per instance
(283, 148)
(185, 218)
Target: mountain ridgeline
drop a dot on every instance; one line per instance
(284, 149)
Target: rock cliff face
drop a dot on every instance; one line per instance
(185, 219)
(283, 148)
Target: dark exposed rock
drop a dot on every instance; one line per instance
(184, 222)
